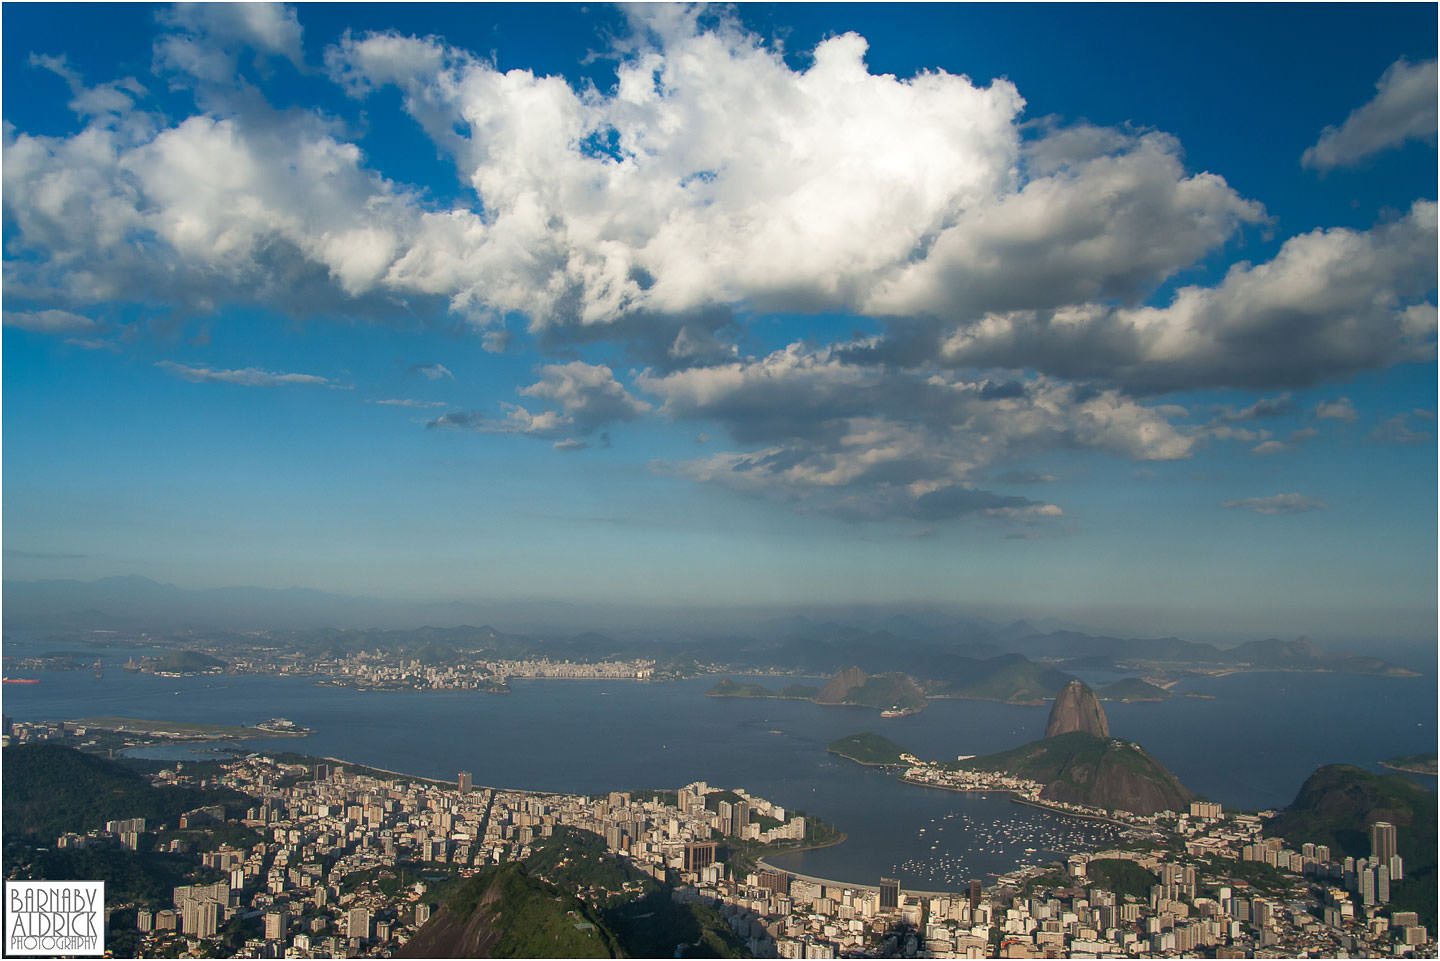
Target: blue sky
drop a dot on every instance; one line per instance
(1123, 313)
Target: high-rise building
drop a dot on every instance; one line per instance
(359, 923)
(1367, 886)
(275, 924)
(975, 890)
(739, 817)
(776, 882)
(699, 855)
(727, 817)
(465, 782)
(1397, 868)
(889, 894)
(1382, 841)
(144, 920)
(422, 914)
(1382, 884)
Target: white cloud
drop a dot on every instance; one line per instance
(1339, 409)
(244, 377)
(588, 393)
(863, 441)
(1277, 504)
(1403, 109)
(1331, 303)
(50, 321)
(713, 174)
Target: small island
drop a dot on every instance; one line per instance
(729, 688)
(869, 749)
(1413, 763)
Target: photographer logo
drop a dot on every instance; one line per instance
(54, 917)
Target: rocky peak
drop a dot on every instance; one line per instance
(840, 685)
(1077, 709)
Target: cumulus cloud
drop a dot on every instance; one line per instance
(864, 441)
(1338, 409)
(1403, 109)
(1276, 406)
(589, 394)
(1277, 504)
(50, 321)
(1331, 303)
(204, 40)
(712, 174)
(244, 377)
(1397, 431)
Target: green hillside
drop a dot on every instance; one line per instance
(504, 912)
(188, 662)
(1337, 804)
(867, 749)
(1082, 768)
(570, 898)
(1120, 876)
(51, 789)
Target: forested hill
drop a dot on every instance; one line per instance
(50, 790)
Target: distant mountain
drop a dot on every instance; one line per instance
(1077, 709)
(884, 692)
(1009, 677)
(1082, 768)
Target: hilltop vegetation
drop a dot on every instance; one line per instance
(867, 749)
(51, 789)
(1337, 804)
(1082, 768)
(504, 912)
(570, 898)
(1120, 876)
(188, 662)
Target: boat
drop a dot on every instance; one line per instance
(20, 680)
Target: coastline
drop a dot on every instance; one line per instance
(1408, 770)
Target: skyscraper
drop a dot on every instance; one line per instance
(359, 923)
(464, 782)
(975, 889)
(1382, 841)
(889, 894)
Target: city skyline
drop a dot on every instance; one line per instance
(698, 307)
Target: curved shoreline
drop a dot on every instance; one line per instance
(1409, 770)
